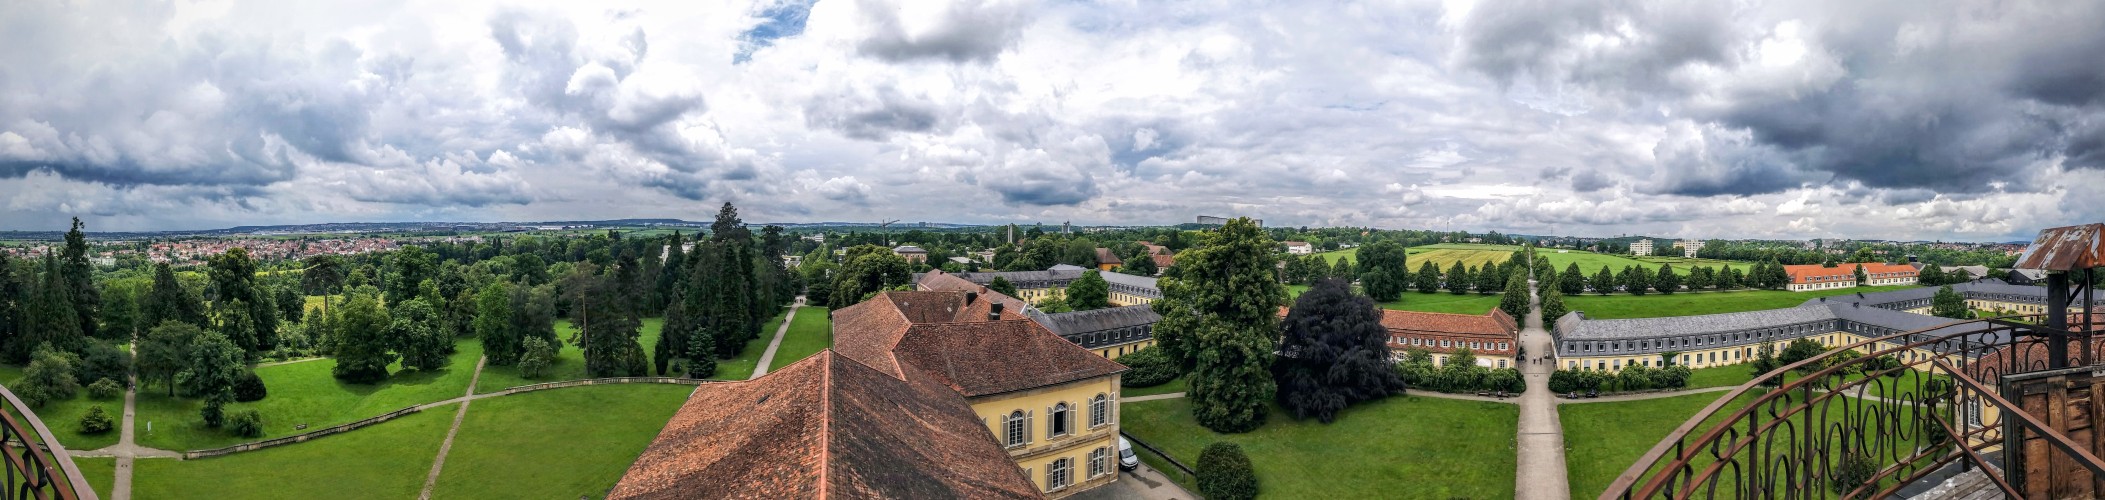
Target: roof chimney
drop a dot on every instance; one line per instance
(971, 296)
(994, 311)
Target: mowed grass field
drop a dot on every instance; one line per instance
(573, 442)
(1603, 439)
(302, 393)
(1619, 306)
(810, 332)
(1399, 447)
(1473, 255)
(388, 460)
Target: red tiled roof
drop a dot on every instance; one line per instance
(1494, 323)
(1815, 273)
(993, 357)
(935, 331)
(825, 427)
(1165, 260)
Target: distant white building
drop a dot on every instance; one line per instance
(1641, 247)
(1689, 247)
(1299, 248)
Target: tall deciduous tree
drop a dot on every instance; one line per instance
(1931, 275)
(1552, 306)
(1428, 280)
(322, 275)
(1088, 292)
(233, 275)
(1948, 304)
(1458, 279)
(1002, 285)
(362, 350)
(1487, 280)
(1220, 318)
(1334, 353)
(418, 335)
(164, 352)
(1666, 282)
(1384, 270)
(1516, 299)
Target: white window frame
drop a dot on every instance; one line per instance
(1059, 474)
(1099, 462)
(1100, 411)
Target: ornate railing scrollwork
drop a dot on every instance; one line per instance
(34, 469)
(1866, 419)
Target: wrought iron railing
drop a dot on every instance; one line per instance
(1866, 419)
(35, 469)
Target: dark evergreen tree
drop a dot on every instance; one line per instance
(1516, 298)
(51, 318)
(14, 302)
(79, 279)
(1333, 353)
(1552, 307)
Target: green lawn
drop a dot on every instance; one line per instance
(1603, 439)
(1444, 302)
(63, 418)
(1400, 446)
(741, 367)
(1349, 254)
(388, 460)
(1177, 385)
(101, 473)
(569, 361)
(1619, 306)
(1720, 376)
(809, 333)
(303, 393)
(564, 443)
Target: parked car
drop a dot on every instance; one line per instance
(1127, 461)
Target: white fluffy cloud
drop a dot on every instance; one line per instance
(1941, 119)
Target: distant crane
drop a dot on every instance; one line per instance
(885, 227)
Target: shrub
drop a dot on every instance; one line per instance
(105, 389)
(249, 387)
(102, 361)
(214, 412)
(49, 376)
(1505, 379)
(535, 358)
(1856, 470)
(246, 423)
(1148, 368)
(1565, 381)
(1224, 473)
(96, 421)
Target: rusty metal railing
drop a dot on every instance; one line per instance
(37, 465)
(1868, 418)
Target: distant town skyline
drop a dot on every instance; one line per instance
(1937, 120)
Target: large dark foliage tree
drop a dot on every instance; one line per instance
(362, 350)
(607, 325)
(14, 301)
(167, 300)
(1384, 272)
(51, 318)
(1220, 318)
(1333, 353)
(233, 275)
(1949, 304)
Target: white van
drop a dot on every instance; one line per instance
(1127, 461)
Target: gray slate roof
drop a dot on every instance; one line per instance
(1096, 320)
(1619, 329)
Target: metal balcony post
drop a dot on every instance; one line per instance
(2057, 319)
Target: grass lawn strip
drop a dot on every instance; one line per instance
(302, 393)
(1604, 439)
(1177, 385)
(387, 460)
(565, 443)
(100, 472)
(810, 332)
(1399, 446)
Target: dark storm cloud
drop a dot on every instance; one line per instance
(873, 114)
(973, 31)
(1587, 181)
(1947, 96)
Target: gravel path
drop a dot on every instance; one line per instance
(768, 357)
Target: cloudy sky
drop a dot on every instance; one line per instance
(1922, 119)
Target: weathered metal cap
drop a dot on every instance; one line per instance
(2066, 249)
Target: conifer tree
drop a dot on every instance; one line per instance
(51, 318)
(1334, 353)
(79, 280)
(1428, 280)
(1573, 282)
(1458, 279)
(1666, 282)
(1516, 299)
(1603, 282)
(1487, 280)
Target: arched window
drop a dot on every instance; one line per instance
(1061, 418)
(1059, 474)
(1100, 410)
(1099, 462)
(1017, 428)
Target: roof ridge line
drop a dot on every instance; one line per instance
(825, 425)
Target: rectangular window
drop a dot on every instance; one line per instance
(1058, 475)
